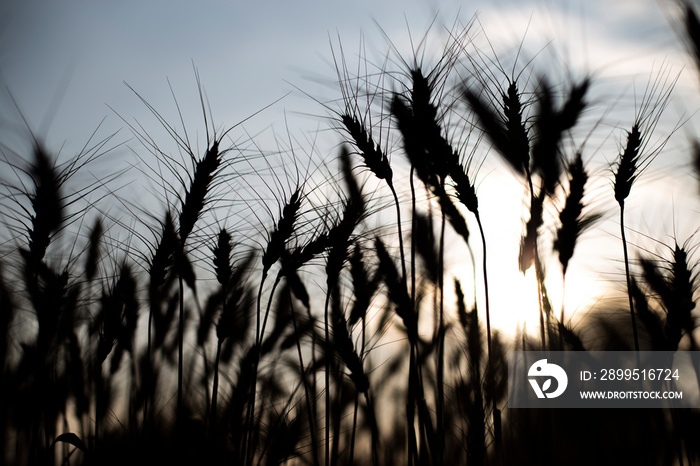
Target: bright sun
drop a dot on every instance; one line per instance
(513, 298)
(514, 302)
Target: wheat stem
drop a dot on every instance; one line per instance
(215, 390)
(307, 390)
(440, 417)
(399, 228)
(180, 346)
(628, 277)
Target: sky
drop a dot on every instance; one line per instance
(64, 62)
(67, 66)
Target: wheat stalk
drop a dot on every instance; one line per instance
(276, 245)
(571, 217)
(223, 271)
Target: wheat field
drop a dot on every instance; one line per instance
(333, 304)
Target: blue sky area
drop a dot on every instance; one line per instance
(64, 62)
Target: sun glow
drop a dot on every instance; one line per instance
(513, 296)
(514, 303)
